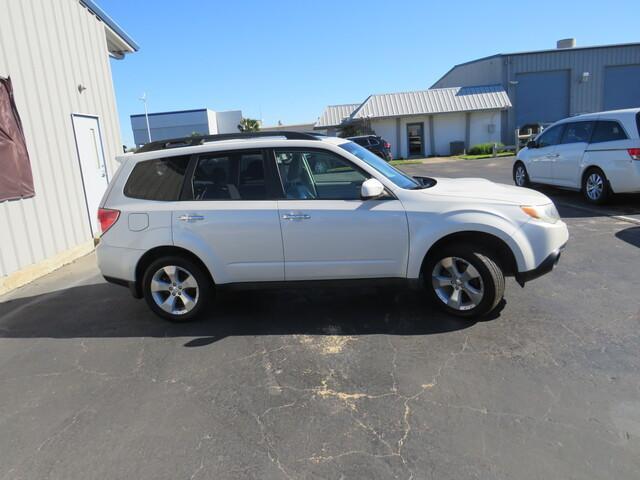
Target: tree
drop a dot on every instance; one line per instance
(349, 130)
(249, 125)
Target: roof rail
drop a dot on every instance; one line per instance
(199, 140)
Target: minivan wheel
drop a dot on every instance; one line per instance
(520, 175)
(463, 281)
(176, 288)
(595, 186)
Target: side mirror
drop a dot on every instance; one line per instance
(371, 188)
(532, 144)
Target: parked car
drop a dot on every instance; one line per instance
(375, 144)
(596, 153)
(180, 223)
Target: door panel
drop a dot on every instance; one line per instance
(92, 165)
(339, 239)
(540, 160)
(566, 166)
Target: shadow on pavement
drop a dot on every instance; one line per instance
(575, 206)
(630, 235)
(105, 311)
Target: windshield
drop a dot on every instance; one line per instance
(396, 176)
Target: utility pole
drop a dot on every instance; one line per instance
(143, 99)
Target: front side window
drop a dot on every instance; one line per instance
(578, 132)
(159, 179)
(229, 176)
(607, 131)
(551, 136)
(309, 175)
(399, 178)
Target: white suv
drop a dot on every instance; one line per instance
(597, 153)
(181, 222)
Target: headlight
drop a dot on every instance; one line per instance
(544, 213)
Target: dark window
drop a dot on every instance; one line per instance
(638, 122)
(551, 136)
(607, 131)
(229, 176)
(373, 141)
(159, 179)
(577, 132)
(309, 175)
(362, 141)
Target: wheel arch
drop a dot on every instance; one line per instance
(488, 243)
(163, 251)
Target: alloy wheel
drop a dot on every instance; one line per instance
(595, 186)
(174, 289)
(521, 176)
(457, 283)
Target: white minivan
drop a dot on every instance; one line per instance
(596, 153)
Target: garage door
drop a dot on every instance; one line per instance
(621, 87)
(542, 97)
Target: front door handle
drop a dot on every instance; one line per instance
(295, 216)
(553, 155)
(190, 218)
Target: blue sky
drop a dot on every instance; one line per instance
(286, 60)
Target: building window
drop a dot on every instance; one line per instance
(16, 180)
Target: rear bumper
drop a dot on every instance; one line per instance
(132, 286)
(545, 267)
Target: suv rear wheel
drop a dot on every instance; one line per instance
(463, 281)
(176, 288)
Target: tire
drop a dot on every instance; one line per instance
(595, 186)
(520, 175)
(191, 289)
(445, 271)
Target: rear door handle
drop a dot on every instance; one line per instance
(295, 216)
(190, 218)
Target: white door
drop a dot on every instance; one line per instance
(540, 160)
(327, 230)
(566, 167)
(92, 164)
(227, 217)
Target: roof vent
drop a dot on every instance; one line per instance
(566, 43)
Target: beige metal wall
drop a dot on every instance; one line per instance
(48, 48)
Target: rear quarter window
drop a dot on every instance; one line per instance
(160, 179)
(638, 122)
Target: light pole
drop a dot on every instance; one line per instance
(143, 99)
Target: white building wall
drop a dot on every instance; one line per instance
(386, 128)
(48, 49)
(480, 127)
(213, 122)
(227, 122)
(448, 127)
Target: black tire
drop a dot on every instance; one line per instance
(201, 295)
(489, 272)
(520, 181)
(592, 194)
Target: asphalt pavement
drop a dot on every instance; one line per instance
(365, 383)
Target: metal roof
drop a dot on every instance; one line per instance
(436, 100)
(334, 115)
(102, 15)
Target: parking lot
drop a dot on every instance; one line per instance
(333, 383)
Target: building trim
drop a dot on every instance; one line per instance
(111, 23)
(196, 110)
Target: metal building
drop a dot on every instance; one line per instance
(547, 85)
(183, 123)
(56, 55)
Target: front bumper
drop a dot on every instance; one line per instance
(545, 267)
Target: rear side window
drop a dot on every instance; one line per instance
(577, 132)
(607, 131)
(362, 141)
(230, 176)
(159, 179)
(638, 122)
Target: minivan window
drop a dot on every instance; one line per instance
(229, 176)
(550, 136)
(607, 131)
(577, 132)
(159, 179)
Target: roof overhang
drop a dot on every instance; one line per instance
(119, 43)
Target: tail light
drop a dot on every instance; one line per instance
(634, 153)
(107, 217)
(387, 145)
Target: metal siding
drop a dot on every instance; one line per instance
(48, 50)
(621, 87)
(481, 72)
(333, 115)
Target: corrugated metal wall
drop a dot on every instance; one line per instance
(482, 72)
(48, 49)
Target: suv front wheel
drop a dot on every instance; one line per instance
(176, 288)
(463, 281)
